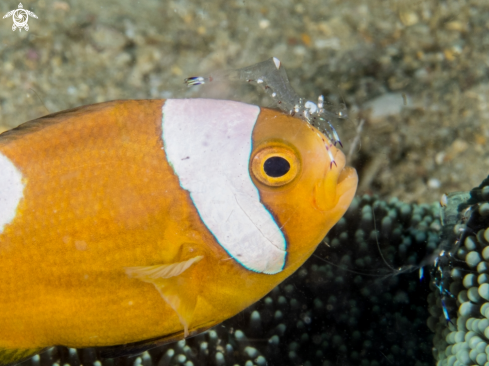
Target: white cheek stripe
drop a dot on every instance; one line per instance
(11, 191)
(208, 143)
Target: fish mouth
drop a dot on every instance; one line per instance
(338, 186)
(346, 187)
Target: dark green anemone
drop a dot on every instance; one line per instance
(357, 301)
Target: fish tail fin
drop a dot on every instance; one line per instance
(13, 356)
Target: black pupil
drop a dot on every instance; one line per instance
(276, 166)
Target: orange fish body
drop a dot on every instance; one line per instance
(133, 220)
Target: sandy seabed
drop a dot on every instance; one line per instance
(416, 73)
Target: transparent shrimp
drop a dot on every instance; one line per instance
(271, 76)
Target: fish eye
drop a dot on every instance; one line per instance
(275, 165)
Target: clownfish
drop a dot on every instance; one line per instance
(148, 221)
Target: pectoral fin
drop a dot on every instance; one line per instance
(177, 284)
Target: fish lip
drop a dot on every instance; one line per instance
(337, 187)
(346, 186)
(344, 173)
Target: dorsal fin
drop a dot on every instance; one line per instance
(51, 119)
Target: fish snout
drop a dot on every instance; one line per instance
(337, 187)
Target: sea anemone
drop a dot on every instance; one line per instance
(357, 301)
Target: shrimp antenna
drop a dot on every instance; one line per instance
(408, 268)
(38, 97)
(378, 245)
